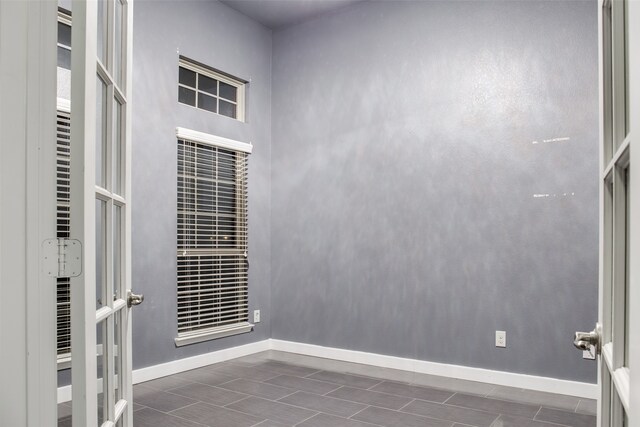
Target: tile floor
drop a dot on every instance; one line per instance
(272, 389)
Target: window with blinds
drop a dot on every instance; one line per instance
(212, 248)
(63, 290)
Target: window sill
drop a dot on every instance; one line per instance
(213, 333)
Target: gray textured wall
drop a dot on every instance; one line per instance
(404, 171)
(218, 36)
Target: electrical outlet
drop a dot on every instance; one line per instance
(589, 354)
(501, 338)
(256, 316)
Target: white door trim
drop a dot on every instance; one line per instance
(27, 211)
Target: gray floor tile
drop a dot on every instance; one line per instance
(510, 421)
(413, 391)
(148, 417)
(493, 405)
(324, 420)
(367, 397)
(137, 406)
(165, 383)
(255, 373)
(453, 384)
(388, 418)
(207, 376)
(209, 394)
(288, 368)
(551, 400)
(451, 413)
(344, 379)
(567, 418)
(587, 406)
(329, 405)
(267, 391)
(304, 384)
(274, 411)
(216, 416)
(376, 372)
(160, 400)
(270, 423)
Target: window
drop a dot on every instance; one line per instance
(207, 89)
(63, 290)
(64, 39)
(212, 261)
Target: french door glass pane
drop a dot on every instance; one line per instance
(102, 367)
(102, 31)
(101, 132)
(117, 147)
(620, 89)
(117, 252)
(117, 57)
(101, 252)
(607, 327)
(627, 360)
(117, 365)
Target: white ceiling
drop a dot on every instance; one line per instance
(281, 13)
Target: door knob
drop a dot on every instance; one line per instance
(584, 340)
(133, 299)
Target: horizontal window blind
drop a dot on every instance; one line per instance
(212, 238)
(63, 289)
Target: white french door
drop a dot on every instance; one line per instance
(617, 334)
(100, 212)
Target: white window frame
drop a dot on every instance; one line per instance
(191, 337)
(239, 84)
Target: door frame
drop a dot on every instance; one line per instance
(634, 274)
(27, 211)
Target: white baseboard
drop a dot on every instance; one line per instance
(551, 385)
(181, 365)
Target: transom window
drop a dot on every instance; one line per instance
(211, 90)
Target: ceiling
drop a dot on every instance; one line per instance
(281, 13)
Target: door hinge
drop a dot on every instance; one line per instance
(62, 257)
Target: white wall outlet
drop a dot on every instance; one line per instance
(256, 316)
(501, 338)
(589, 354)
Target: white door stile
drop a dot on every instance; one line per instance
(634, 213)
(41, 206)
(83, 138)
(125, 324)
(618, 284)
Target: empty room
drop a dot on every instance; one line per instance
(319, 213)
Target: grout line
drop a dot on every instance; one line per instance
(449, 398)
(577, 406)
(490, 391)
(290, 394)
(237, 401)
(177, 409)
(537, 412)
(179, 417)
(308, 418)
(404, 406)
